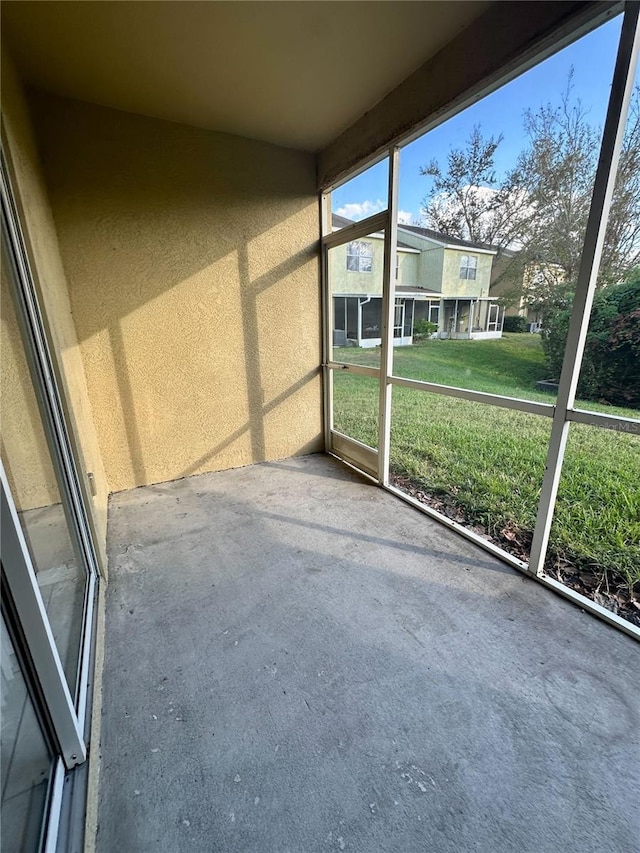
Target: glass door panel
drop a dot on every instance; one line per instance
(60, 572)
(27, 761)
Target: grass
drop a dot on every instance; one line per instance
(485, 464)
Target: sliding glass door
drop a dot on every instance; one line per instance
(49, 568)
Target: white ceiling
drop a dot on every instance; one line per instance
(292, 73)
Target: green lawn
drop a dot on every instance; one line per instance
(485, 464)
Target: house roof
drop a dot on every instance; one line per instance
(338, 222)
(421, 290)
(446, 239)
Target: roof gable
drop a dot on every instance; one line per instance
(444, 240)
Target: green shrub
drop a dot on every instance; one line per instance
(611, 363)
(514, 324)
(423, 329)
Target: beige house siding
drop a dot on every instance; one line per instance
(343, 280)
(453, 285)
(354, 283)
(51, 283)
(192, 261)
(436, 268)
(505, 288)
(409, 270)
(431, 268)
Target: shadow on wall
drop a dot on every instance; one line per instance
(253, 426)
(192, 263)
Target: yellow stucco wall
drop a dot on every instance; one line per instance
(342, 280)
(51, 284)
(24, 448)
(409, 270)
(453, 285)
(192, 263)
(431, 267)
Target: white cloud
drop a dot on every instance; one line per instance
(511, 211)
(360, 210)
(405, 217)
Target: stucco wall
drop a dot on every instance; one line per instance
(24, 447)
(431, 268)
(192, 262)
(51, 284)
(409, 270)
(453, 285)
(342, 280)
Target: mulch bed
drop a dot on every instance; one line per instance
(606, 587)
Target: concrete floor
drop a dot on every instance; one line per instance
(296, 661)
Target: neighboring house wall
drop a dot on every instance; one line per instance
(453, 285)
(192, 262)
(51, 284)
(431, 262)
(408, 269)
(504, 287)
(343, 280)
(431, 268)
(459, 279)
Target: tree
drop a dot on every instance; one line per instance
(609, 370)
(467, 201)
(536, 214)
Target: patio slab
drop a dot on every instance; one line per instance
(297, 661)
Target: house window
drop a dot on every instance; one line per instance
(359, 256)
(468, 266)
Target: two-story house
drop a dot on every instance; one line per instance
(438, 278)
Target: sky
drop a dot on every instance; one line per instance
(593, 60)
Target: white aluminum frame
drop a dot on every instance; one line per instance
(52, 412)
(65, 719)
(55, 807)
(614, 128)
(388, 318)
(562, 412)
(41, 647)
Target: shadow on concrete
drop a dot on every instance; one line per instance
(272, 684)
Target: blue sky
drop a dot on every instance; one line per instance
(592, 58)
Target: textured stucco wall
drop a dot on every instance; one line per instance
(453, 285)
(24, 447)
(431, 268)
(409, 270)
(51, 283)
(192, 262)
(343, 280)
